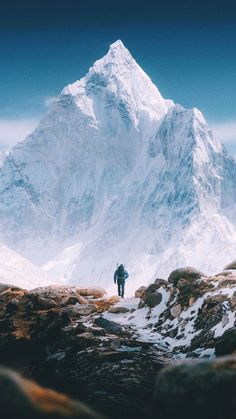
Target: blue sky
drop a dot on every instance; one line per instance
(186, 47)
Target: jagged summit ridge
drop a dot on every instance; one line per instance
(119, 75)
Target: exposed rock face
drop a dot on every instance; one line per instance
(196, 389)
(24, 399)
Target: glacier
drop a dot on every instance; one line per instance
(116, 173)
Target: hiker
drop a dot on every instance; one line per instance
(120, 276)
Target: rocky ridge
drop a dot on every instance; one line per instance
(190, 314)
(107, 352)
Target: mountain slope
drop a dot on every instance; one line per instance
(16, 270)
(116, 172)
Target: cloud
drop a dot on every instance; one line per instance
(225, 131)
(50, 100)
(14, 130)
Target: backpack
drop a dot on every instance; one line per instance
(121, 271)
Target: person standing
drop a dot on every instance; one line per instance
(120, 276)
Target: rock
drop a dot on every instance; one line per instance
(151, 296)
(24, 399)
(79, 310)
(191, 301)
(185, 273)
(161, 282)
(109, 326)
(44, 303)
(13, 305)
(196, 389)
(141, 304)
(118, 310)
(226, 344)
(139, 293)
(153, 299)
(91, 292)
(233, 300)
(75, 299)
(231, 265)
(5, 287)
(103, 304)
(176, 310)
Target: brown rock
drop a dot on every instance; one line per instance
(161, 282)
(185, 273)
(91, 292)
(140, 292)
(24, 399)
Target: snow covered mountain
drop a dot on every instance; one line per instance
(114, 172)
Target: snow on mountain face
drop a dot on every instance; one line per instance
(15, 269)
(116, 172)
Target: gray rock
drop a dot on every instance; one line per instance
(79, 310)
(226, 344)
(196, 389)
(153, 299)
(118, 310)
(161, 282)
(109, 326)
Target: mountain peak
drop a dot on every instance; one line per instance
(117, 45)
(118, 55)
(118, 49)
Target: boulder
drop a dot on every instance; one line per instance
(184, 273)
(118, 310)
(153, 299)
(104, 304)
(24, 399)
(140, 292)
(196, 389)
(95, 292)
(160, 282)
(231, 265)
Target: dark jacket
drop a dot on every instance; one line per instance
(123, 277)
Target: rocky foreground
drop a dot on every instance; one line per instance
(119, 357)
